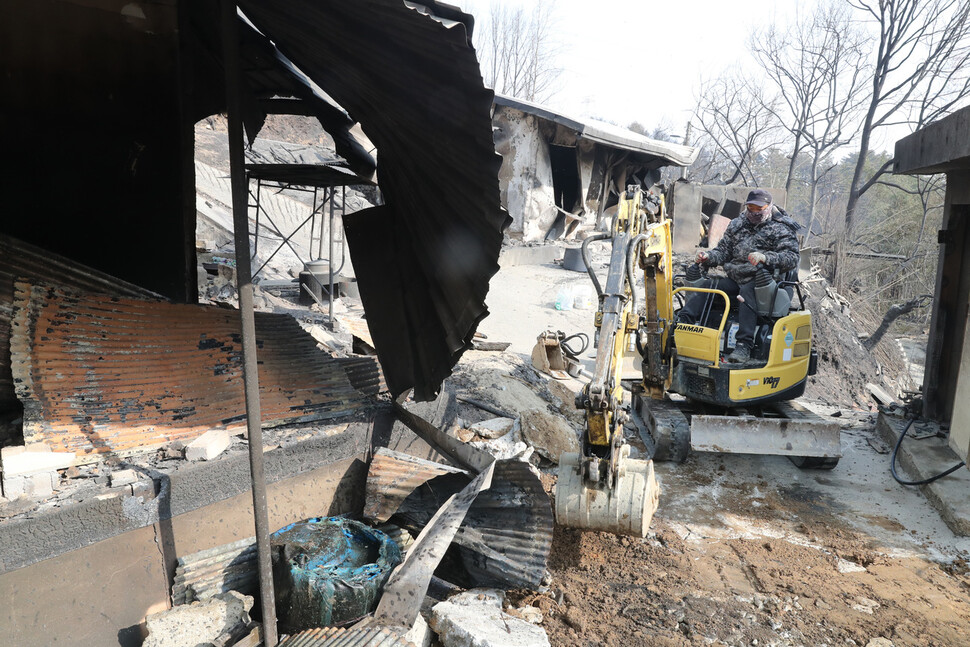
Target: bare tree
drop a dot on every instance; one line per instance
(736, 125)
(818, 67)
(517, 50)
(921, 72)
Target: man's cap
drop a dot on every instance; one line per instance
(759, 197)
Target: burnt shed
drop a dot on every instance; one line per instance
(560, 172)
(97, 106)
(98, 102)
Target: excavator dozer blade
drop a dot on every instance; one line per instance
(626, 509)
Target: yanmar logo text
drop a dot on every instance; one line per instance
(687, 328)
(773, 381)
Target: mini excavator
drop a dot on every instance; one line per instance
(683, 396)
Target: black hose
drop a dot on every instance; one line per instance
(584, 250)
(892, 462)
(581, 336)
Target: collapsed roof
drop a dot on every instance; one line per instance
(652, 153)
(408, 74)
(129, 83)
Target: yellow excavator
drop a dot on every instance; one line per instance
(683, 396)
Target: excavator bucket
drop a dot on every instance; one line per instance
(548, 357)
(625, 509)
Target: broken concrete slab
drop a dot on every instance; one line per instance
(475, 619)
(881, 395)
(208, 445)
(200, 622)
(493, 427)
(503, 448)
(550, 435)
(33, 459)
(923, 458)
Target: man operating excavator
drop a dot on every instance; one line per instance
(763, 233)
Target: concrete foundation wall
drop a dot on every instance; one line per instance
(89, 573)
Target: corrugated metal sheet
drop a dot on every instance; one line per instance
(102, 374)
(338, 637)
(19, 260)
(507, 535)
(425, 257)
(405, 589)
(201, 575)
(364, 373)
(663, 153)
(393, 476)
(267, 74)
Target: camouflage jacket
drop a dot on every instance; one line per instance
(775, 238)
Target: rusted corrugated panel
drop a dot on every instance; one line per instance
(101, 374)
(408, 73)
(339, 637)
(19, 260)
(201, 575)
(393, 476)
(364, 373)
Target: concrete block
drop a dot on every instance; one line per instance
(34, 485)
(144, 489)
(493, 427)
(14, 486)
(124, 477)
(208, 445)
(475, 619)
(24, 461)
(420, 635)
(199, 623)
(550, 435)
(41, 485)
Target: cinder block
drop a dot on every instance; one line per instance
(41, 485)
(35, 459)
(208, 445)
(14, 486)
(144, 489)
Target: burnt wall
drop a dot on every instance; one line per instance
(95, 146)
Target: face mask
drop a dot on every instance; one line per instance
(757, 218)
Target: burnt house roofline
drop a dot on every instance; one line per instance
(607, 134)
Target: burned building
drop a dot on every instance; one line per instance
(559, 172)
(106, 353)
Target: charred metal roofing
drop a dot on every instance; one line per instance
(607, 134)
(103, 374)
(409, 75)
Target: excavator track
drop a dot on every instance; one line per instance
(674, 428)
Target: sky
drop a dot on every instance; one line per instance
(643, 61)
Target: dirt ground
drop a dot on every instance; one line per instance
(680, 586)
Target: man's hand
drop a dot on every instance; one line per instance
(702, 258)
(756, 258)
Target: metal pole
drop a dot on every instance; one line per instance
(322, 209)
(333, 194)
(240, 220)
